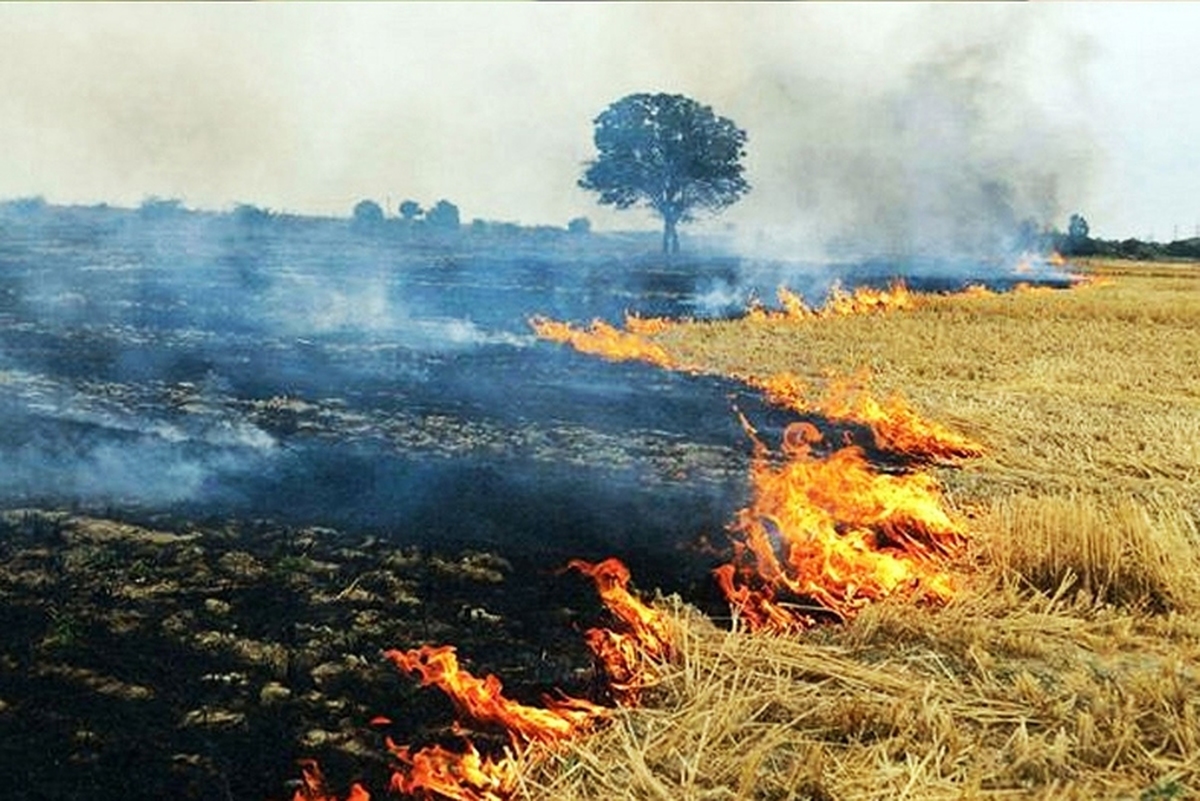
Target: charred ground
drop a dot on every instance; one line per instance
(244, 456)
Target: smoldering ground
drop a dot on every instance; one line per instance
(312, 372)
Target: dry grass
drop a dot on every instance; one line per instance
(1066, 668)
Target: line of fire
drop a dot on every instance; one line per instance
(834, 522)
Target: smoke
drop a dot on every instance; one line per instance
(959, 149)
(895, 129)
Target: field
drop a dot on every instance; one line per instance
(1067, 665)
(242, 462)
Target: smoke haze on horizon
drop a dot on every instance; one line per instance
(901, 125)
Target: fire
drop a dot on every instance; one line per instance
(823, 535)
(471, 776)
(894, 424)
(865, 300)
(483, 700)
(648, 326)
(602, 339)
(833, 534)
(838, 303)
(468, 776)
(646, 636)
(793, 305)
(312, 785)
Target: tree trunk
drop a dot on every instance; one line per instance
(670, 240)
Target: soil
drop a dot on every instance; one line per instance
(166, 658)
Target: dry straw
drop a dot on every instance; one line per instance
(1068, 667)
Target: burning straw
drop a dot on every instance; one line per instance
(629, 655)
(824, 534)
(822, 537)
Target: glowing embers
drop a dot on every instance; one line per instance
(826, 535)
(895, 426)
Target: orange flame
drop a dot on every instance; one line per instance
(865, 300)
(624, 655)
(648, 326)
(1025, 288)
(839, 303)
(468, 776)
(833, 534)
(312, 785)
(483, 701)
(602, 339)
(894, 424)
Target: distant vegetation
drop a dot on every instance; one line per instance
(410, 226)
(441, 224)
(1078, 242)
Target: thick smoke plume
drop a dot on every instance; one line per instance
(955, 152)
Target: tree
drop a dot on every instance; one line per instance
(410, 210)
(367, 213)
(1077, 228)
(1077, 242)
(669, 153)
(579, 225)
(444, 214)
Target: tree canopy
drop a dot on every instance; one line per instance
(669, 153)
(367, 213)
(444, 215)
(410, 210)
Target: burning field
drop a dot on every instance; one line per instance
(272, 534)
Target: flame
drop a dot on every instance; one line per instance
(865, 300)
(483, 701)
(625, 655)
(312, 785)
(602, 339)
(894, 424)
(468, 776)
(648, 326)
(793, 305)
(832, 534)
(838, 303)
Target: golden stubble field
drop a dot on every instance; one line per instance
(1068, 666)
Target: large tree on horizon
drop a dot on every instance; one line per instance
(669, 153)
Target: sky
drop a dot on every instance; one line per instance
(907, 119)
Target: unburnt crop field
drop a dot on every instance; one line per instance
(250, 499)
(1064, 665)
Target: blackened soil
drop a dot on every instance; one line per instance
(162, 658)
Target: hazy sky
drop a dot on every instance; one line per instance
(888, 115)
